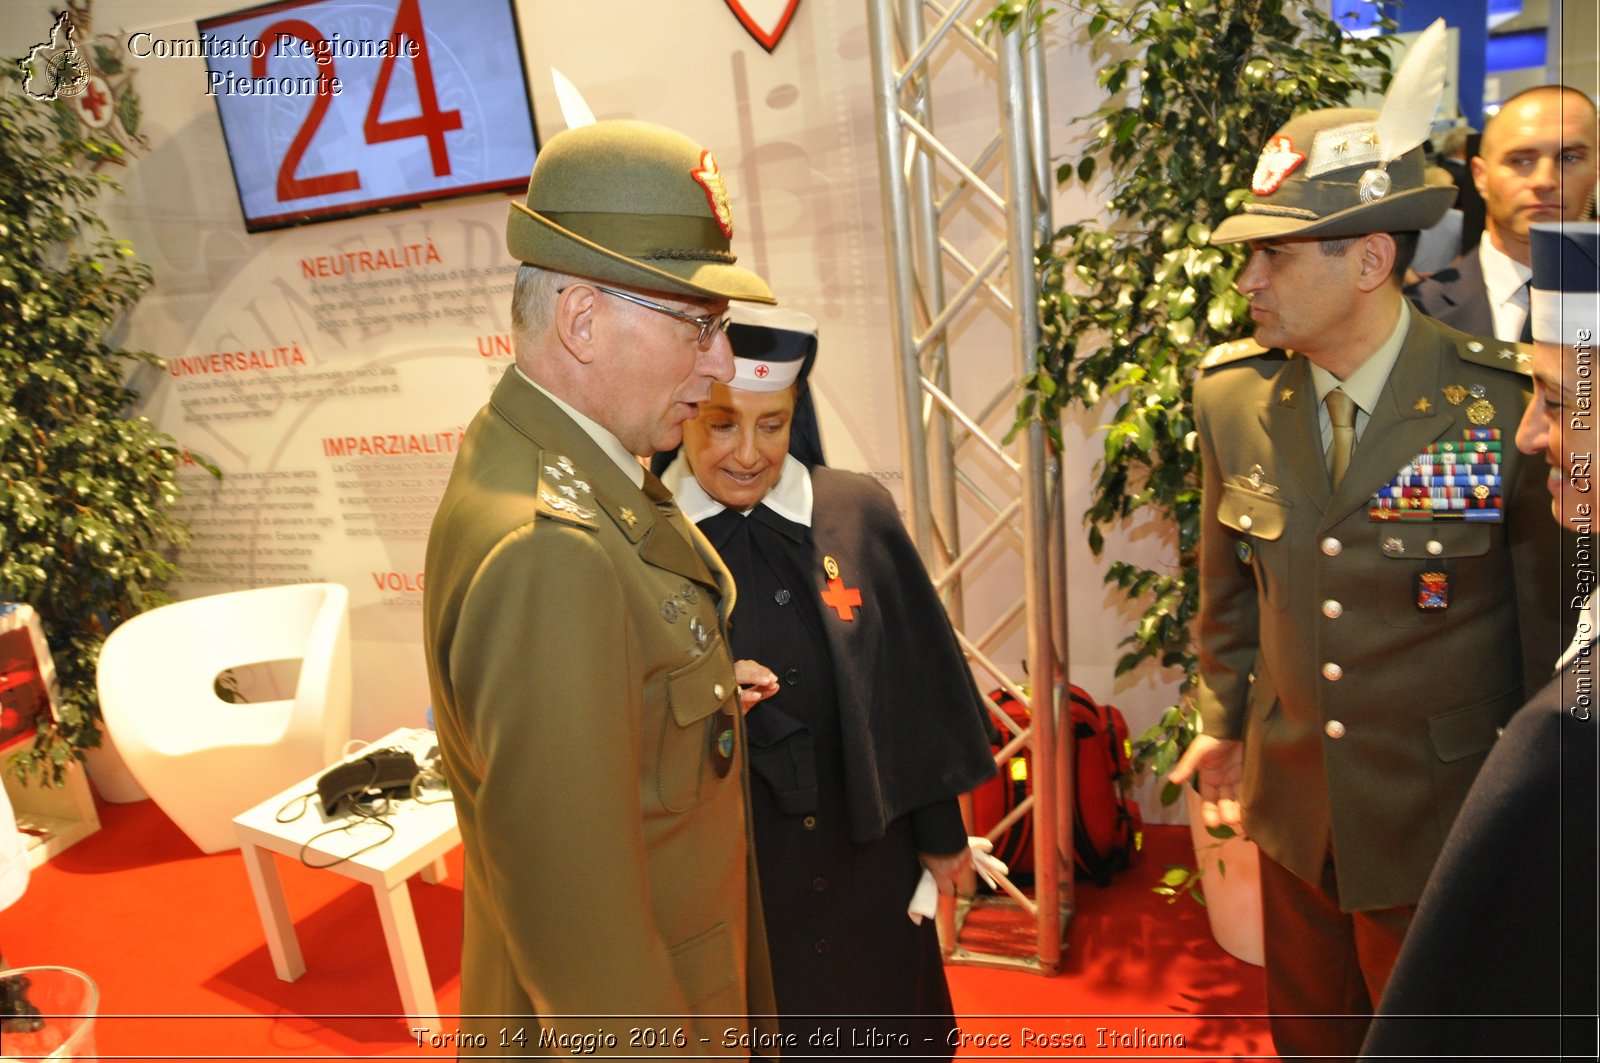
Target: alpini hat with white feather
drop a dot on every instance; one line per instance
(1348, 172)
(632, 203)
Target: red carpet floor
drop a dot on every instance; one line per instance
(173, 940)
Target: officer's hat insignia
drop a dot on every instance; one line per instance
(1276, 162)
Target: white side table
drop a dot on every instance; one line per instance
(424, 833)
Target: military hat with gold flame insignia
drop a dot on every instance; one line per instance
(1348, 172)
(635, 204)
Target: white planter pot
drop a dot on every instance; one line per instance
(110, 775)
(1232, 891)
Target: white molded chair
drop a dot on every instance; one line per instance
(202, 759)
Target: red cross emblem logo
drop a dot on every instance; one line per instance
(842, 598)
(96, 105)
(762, 371)
(839, 597)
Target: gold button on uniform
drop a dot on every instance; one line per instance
(1435, 547)
(718, 691)
(1246, 523)
(1334, 729)
(1332, 672)
(1332, 546)
(1332, 609)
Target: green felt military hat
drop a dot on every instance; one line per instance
(1322, 175)
(635, 204)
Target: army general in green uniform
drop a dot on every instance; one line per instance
(1378, 574)
(587, 706)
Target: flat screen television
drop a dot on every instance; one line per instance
(333, 108)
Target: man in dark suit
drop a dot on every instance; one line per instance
(1500, 961)
(1377, 572)
(1538, 161)
(575, 625)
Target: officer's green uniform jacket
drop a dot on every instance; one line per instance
(1365, 715)
(588, 717)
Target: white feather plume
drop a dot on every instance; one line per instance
(1413, 96)
(574, 109)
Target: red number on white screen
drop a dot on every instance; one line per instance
(291, 186)
(432, 124)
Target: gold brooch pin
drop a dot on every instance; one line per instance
(627, 516)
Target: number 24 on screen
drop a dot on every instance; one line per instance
(431, 124)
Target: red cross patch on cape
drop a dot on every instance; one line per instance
(843, 600)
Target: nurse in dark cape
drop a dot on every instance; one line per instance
(857, 761)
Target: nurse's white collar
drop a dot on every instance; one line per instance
(790, 498)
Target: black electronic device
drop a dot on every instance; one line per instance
(381, 773)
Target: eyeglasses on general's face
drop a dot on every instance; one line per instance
(710, 325)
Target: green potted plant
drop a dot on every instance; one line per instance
(86, 518)
(1131, 300)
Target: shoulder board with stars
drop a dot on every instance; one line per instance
(1497, 354)
(1223, 353)
(563, 494)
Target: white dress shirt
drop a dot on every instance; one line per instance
(1506, 280)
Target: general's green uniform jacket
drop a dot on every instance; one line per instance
(1366, 664)
(588, 717)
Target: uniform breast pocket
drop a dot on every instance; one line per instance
(1431, 567)
(1259, 520)
(699, 732)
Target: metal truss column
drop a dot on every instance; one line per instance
(924, 180)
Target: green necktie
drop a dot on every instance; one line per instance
(1342, 414)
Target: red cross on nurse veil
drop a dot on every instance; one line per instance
(762, 371)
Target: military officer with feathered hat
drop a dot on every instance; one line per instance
(587, 705)
(1378, 577)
